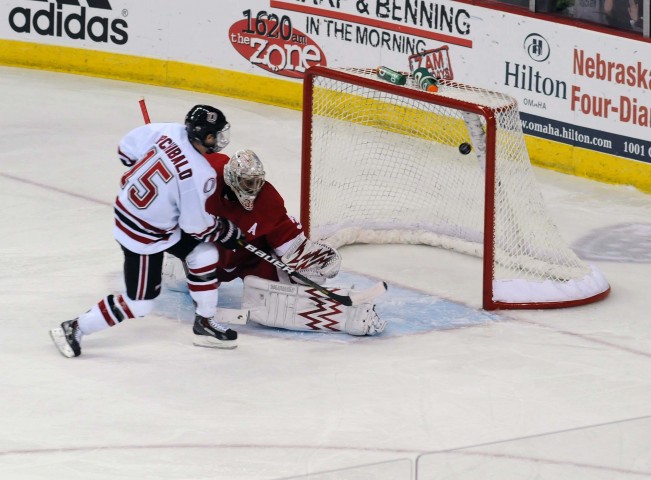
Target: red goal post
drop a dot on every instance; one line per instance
(382, 163)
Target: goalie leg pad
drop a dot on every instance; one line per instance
(299, 308)
(175, 274)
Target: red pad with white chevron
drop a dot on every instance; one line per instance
(303, 308)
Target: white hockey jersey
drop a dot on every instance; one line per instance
(164, 190)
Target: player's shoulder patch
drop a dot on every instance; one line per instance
(209, 186)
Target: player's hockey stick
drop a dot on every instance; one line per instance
(356, 298)
(143, 109)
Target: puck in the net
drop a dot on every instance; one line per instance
(465, 148)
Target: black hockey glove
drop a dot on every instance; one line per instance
(228, 234)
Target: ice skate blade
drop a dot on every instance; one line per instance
(212, 342)
(59, 339)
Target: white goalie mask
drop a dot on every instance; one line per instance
(244, 174)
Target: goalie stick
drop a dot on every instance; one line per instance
(364, 296)
(233, 316)
(356, 298)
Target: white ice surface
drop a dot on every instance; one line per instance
(563, 394)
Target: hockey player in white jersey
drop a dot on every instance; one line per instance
(160, 208)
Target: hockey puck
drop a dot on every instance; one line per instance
(465, 148)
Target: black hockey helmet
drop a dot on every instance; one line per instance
(203, 120)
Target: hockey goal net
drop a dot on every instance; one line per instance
(381, 163)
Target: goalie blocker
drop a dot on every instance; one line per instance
(301, 308)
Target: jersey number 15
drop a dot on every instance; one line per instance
(143, 189)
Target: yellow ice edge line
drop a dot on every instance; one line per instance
(585, 163)
(152, 71)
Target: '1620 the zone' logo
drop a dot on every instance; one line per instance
(271, 43)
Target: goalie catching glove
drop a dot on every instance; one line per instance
(314, 260)
(299, 308)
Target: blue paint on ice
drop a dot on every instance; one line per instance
(407, 311)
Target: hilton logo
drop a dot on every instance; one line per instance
(537, 47)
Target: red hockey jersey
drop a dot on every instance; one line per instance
(268, 226)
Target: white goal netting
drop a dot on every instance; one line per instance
(383, 165)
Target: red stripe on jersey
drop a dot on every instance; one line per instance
(212, 237)
(145, 225)
(125, 158)
(208, 231)
(135, 236)
(103, 308)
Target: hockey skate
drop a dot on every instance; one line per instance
(209, 333)
(67, 338)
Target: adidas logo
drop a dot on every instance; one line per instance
(104, 4)
(61, 19)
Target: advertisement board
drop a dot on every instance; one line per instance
(576, 87)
